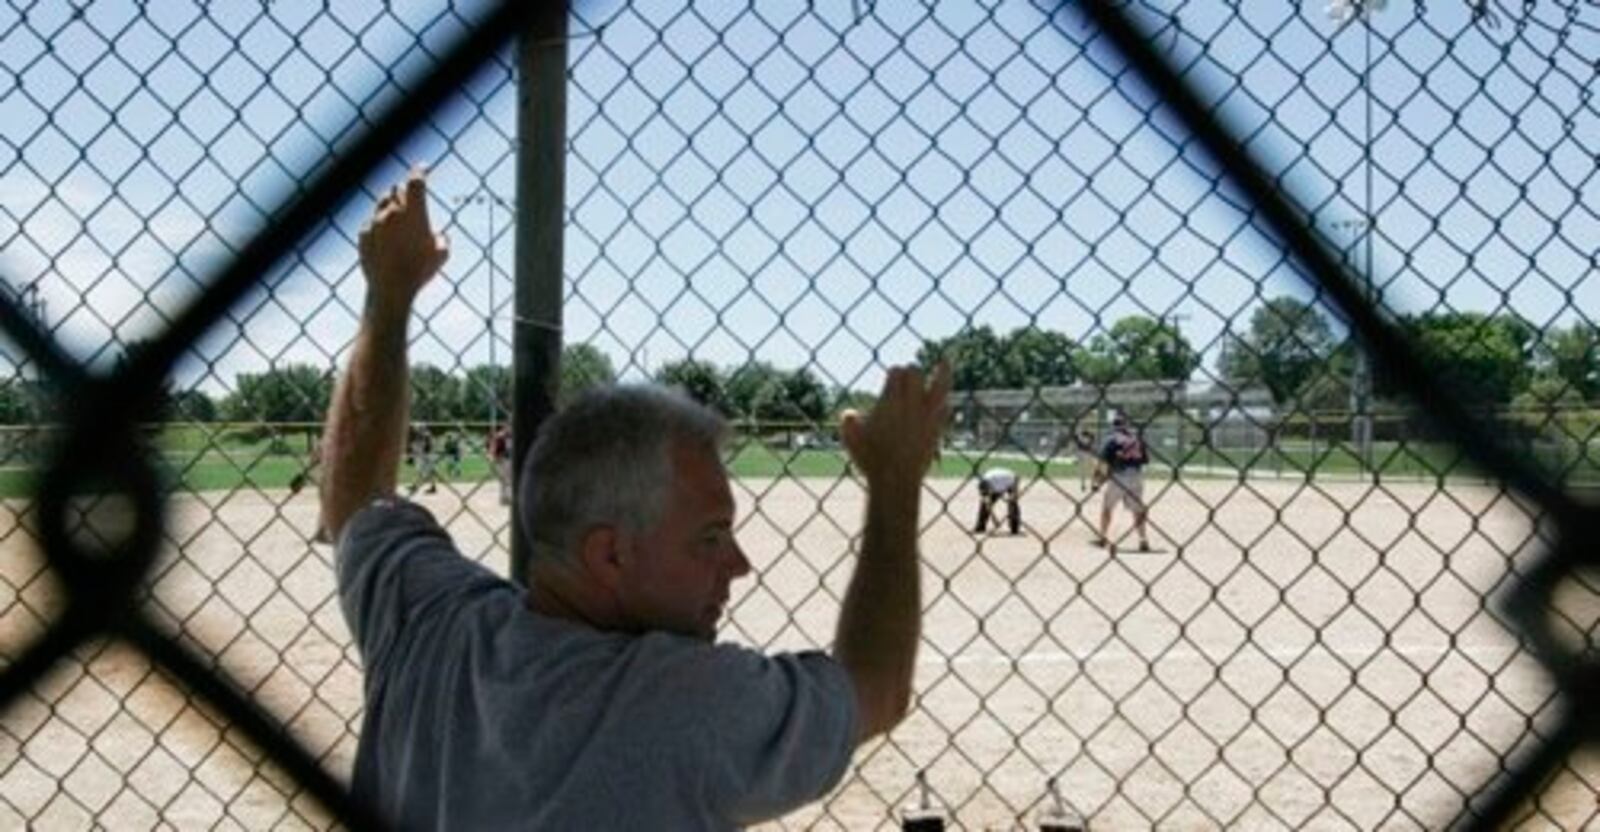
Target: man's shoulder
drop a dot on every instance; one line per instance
(390, 533)
(386, 513)
(692, 655)
(730, 690)
(723, 667)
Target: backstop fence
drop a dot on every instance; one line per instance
(1224, 220)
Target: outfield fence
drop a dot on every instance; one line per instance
(1354, 617)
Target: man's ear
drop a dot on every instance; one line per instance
(600, 554)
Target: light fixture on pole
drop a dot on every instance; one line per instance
(488, 199)
(1343, 11)
(1360, 231)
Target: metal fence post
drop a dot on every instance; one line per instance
(541, 194)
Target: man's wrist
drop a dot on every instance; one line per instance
(895, 488)
(386, 307)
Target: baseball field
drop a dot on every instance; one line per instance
(1295, 655)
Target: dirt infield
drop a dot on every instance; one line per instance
(1297, 656)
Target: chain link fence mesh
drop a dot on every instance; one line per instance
(768, 205)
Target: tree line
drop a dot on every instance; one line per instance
(299, 393)
(1288, 347)
(1485, 360)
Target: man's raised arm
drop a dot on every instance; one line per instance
(880, 624)
(363, 441)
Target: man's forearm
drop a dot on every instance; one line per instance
(880, 623)
(367, 418)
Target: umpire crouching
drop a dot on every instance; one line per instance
(995, 485)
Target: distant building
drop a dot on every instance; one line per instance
(1172, 415)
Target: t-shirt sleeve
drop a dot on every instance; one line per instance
(779, 733)
(1108, 451)
(395, 566)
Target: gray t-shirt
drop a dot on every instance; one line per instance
(484, 715)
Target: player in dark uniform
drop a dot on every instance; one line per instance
(500, 458)
(1122, 461)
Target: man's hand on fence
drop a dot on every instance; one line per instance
(900, 437)
(400, 252)
(880, 619)
(367, 416)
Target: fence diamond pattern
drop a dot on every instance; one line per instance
(1318, 640)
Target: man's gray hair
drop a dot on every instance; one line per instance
(606, 459)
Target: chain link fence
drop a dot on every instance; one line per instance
(767, 205)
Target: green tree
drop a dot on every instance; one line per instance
(1483, 359)
(1547, 392)
(1138, 348)
(701, 380)
(191, 406)
(17, 403)
(584, 366)
(765, 393)
(1097, 362)
(292, 393)
(845, 398)
(436, 396)
(485, 385)
(752, 387)
(1573, 355)
(1032, 357)
(976, 358)
(982, 360)
(802, 398)
(1288, 345)
(1328, 387)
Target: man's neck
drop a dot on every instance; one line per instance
(552, 594)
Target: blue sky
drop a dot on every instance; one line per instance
(822, 183)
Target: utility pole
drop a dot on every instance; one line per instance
(1360, 231)
(488, 199)
(1343, 11)
(32, 303)
(1180, 402)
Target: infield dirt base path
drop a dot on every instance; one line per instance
(1296, 656)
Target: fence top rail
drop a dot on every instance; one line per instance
(1087, 396)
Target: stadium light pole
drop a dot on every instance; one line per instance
(488, 199)
(1177, 319)
(1342, 12)
(33, 305)
(1182, 403)
(1360, 230)
(34, 302)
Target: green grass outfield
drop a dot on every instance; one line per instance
(231, 466)
(238, 469)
